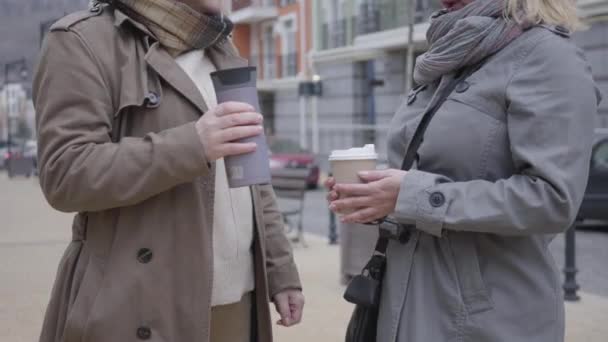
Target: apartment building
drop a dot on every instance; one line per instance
(361, 57)
(275, 36)
(357, 49)
(594, 40)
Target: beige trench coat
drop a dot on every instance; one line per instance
(140, 264)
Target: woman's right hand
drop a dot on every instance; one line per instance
(226, 123)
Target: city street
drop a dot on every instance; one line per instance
(33, 237)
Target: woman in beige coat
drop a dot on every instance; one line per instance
(502, 168)
(131, 138)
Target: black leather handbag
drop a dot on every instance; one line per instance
(365, 289)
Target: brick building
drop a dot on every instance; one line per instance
(275, 36)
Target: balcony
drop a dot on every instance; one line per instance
(592, 8)
(336, 34)
(267, 66)
(289, 65)
(253, 11)
(383, 15)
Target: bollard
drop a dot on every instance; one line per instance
(333, 230)
(570, 284)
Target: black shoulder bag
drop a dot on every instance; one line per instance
(365, 289)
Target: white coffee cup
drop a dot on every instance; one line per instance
(346, 164)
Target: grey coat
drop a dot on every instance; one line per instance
(502, 169)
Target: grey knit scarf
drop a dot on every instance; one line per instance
(465, 37)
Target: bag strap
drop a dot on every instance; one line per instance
(417, 139)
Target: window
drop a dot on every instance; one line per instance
(268, 53)
(287, 2)
(289, 58)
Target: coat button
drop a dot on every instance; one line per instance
(144, 333)
(462, 87)
(437, 199)
(152, 100)
(144, 255)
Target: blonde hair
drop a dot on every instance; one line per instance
(551, 12)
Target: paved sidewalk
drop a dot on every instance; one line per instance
(33, 237)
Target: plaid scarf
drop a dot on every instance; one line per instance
(465, 37)
(178, 27)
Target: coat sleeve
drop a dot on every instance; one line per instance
(80, 168)
(552, 102)
(280, 264)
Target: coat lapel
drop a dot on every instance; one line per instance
(164, 65)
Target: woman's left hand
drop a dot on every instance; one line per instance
(367, 202)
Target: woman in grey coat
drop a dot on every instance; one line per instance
(502, 169)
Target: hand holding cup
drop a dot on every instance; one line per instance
(223, 125)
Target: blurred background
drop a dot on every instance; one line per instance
(331, 74)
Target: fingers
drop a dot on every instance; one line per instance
(363, 216)
(282, 305)
(372, 176)
(332, 196)
(240, 119)
(227, 108)
(235, 149)
(348, 190)
(329, 183)
(297, 308)
(239, 132)
(351, 203)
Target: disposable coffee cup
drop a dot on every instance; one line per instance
(346, 164)
(252, 168)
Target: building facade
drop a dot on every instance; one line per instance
(361, 56)
(594, 40)
(275, 36)
(358, 51)
(15, 109)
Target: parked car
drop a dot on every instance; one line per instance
(595, 202)
(30, 150)
(4, 152)
(287, 154)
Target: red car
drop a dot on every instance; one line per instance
(288, 154)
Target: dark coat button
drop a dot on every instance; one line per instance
(144, 333)
(152, 100)
(462, 87)
(437, 199)
(144, 255)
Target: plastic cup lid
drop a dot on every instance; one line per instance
(355, 153)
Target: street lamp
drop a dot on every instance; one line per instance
(23, 73)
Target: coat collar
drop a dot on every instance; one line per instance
(223, 56)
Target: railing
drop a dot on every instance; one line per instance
(241, 4)
(381, 15)
(266, 64)
(289, 65)
(335, 34)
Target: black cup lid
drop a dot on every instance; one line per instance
(236, 76)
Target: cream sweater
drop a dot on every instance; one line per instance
(233, 270)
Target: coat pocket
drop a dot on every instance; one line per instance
(474, 292)
(82, 297)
